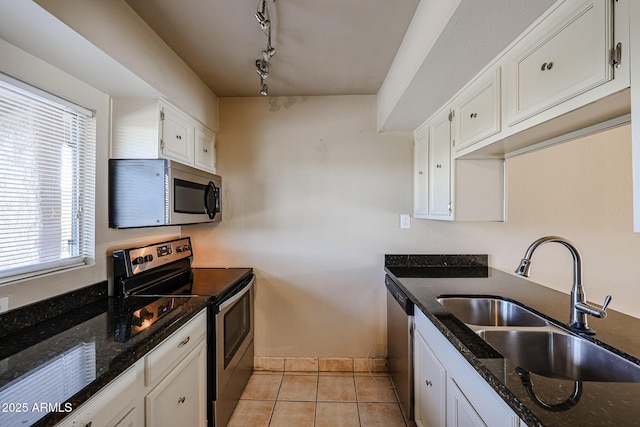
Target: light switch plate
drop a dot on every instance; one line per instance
(405, 221)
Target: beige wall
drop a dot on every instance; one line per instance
(312, 197)
(311, 201)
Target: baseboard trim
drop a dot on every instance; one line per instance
(315, 364)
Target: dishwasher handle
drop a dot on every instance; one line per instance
(401, 298)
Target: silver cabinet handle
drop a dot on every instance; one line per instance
(184, 341)
(546, 66)
(181, 399)
(429, 383)
(473, 115)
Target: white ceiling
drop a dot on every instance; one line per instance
(336, 47)
(323, 47)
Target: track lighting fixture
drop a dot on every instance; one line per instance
(262, 65)
(263, 21)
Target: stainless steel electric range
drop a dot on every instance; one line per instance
(152, 280)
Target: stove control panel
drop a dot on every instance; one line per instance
(132, 261)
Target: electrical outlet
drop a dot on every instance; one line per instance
(405, 221)
(4, 304)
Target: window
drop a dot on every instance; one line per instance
(47, 176)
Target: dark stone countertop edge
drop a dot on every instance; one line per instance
(509, 398)
(124, 361)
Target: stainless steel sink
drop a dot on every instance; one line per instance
(558, 354)
(489, 311)
(536, 345)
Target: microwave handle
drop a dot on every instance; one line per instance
(212, 210)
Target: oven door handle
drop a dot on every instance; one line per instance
(236, 297)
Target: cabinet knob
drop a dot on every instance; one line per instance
(438, 166)
(181, 399)
(473, 115)
(429, 383)
(205, 150)
(546, 66)
(420, 173)
(178, 136)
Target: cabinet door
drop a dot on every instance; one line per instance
(478, 111)
(114, 405)
(430, 385)
(205, 149)
(440, 168)
(420, 178)
(180, 398)
(561, 59)
(177, 136)
(460, 413)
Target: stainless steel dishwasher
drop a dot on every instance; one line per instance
(400, 346)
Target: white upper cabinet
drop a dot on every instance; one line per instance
(478, 110)
(177, 141)
(439, 197)
(567, 72)
(205, 149)
(448, 189)
(565, 56)
(151, 128)
(420, 171)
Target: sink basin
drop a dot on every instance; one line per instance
(561, 355)
(489, 311)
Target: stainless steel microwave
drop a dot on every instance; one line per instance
(150, 193)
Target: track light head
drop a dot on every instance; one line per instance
(263, 20)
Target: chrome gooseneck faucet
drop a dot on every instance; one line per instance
(579, 306)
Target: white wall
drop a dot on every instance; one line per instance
(116, 29)
(312, 197)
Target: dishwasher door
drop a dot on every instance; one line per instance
(400, 346)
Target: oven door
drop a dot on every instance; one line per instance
(234, 351)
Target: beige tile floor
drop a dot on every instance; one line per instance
(317, 400)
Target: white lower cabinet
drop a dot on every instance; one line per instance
(430, 385)
(180, 398)
(165, 388)
(448, 390)
(460, 412)
(175, 378)
(116, 405)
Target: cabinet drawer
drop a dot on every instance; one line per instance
(171, 351)
(561, 59)
(479, 111)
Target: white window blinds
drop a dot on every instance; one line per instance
(47, 182)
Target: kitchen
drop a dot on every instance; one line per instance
(319, 259)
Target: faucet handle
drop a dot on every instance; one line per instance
(607, 300)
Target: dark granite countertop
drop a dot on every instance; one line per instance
(74, 326)
(601, 403)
